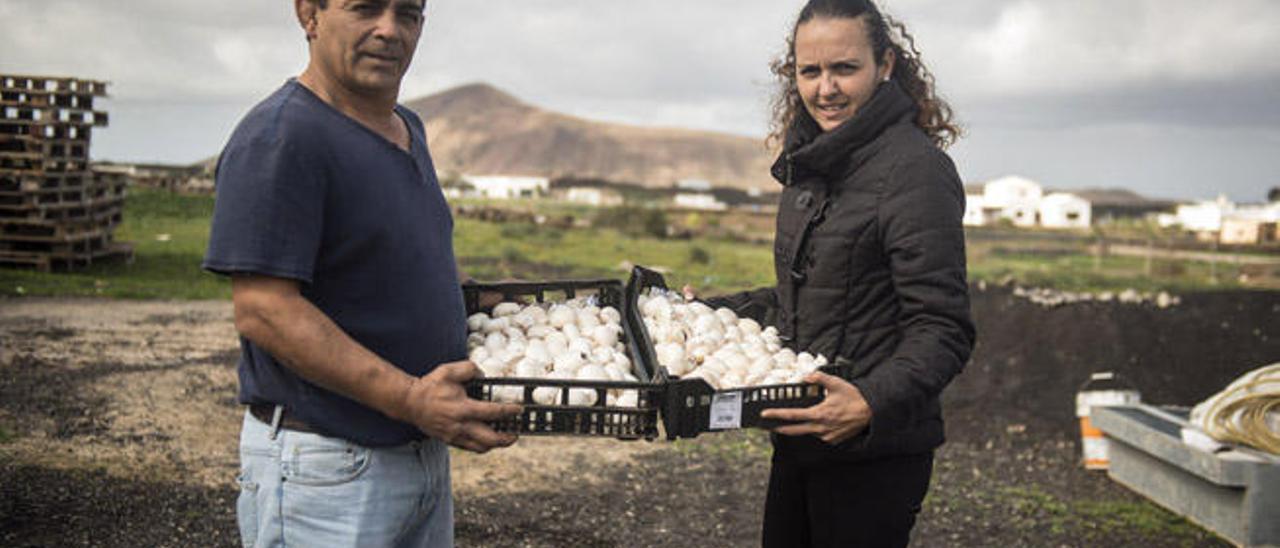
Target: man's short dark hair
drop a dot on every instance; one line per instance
(324, 4)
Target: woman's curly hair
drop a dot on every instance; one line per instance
(887, 34)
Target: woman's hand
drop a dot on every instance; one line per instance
(840, 416)
(688, 292)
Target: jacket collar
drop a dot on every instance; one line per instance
(807, 147)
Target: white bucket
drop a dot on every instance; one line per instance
(1101, 390)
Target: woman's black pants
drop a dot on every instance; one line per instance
(868, 504)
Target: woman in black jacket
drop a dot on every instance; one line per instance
(870, 263)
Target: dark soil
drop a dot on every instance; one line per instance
(47, 508)
(1009, 475)
(1030, 361)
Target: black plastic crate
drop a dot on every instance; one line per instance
(598, 419)
(692, 406)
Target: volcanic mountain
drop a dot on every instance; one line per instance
(481, 130)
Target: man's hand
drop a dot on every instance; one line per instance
(437, 404)
(840, 416)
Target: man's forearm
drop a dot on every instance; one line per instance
(306, 341)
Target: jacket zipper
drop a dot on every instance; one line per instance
(795, 289)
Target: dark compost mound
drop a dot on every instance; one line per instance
(1030, 360)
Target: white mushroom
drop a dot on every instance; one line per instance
(785, 358)
(529, 368)
(805, 362)
(571, 331)
(580, 345)
(495, 342)
(621, 361)
(505, 309)
(492, 367)
(610, 315)
(496, 325)
(567, 363)
(628, 398)
(726, 316)
(508, 394)
(593, 373)
(475, 322)
(588, 320)
(601, 355)
(546, 395)
(700, 309)
(539, 331)
(560, 316)
(694, 341)
(525, 319)
(604, 335)
(707, 323)
(582, 396)
(761, 367)
(614, 373)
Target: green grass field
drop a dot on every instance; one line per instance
(170, 231)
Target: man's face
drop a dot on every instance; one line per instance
(366, 45)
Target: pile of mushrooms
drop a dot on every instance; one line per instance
(573, 340)
(693, 341)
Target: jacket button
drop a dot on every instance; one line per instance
(804, 200)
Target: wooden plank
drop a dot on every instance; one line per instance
(89, 210)
(30, 181)
(39, 262)
(45, 230)
(52, 85)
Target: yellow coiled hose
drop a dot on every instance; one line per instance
(1247, 412)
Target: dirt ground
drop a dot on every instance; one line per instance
(118, 427)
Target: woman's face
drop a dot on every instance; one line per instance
(836, 71)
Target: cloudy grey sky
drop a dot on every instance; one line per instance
(1171, 98)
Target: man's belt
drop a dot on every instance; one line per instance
(265, 412)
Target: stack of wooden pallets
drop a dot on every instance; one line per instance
(54, 213)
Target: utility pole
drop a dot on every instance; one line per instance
(1213, 260)
(1102, 249)
(1146, 263)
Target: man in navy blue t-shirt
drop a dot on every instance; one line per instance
(333, 227)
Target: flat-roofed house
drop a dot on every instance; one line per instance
(1017, 199)
(699, 200)
(1065, 210)
(1251, 224)
(507, 187)
(593, 196)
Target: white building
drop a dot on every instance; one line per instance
(1064, 210)
(1017, 199)
(699, 200)
(1251, 224)
(695, 185)
(976, 212)
(1204, 216)
(504, 187)
(1243, 231)
(593, 196)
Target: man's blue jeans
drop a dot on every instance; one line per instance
(301, 489)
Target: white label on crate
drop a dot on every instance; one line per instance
(1104, 398)
(726, 411)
